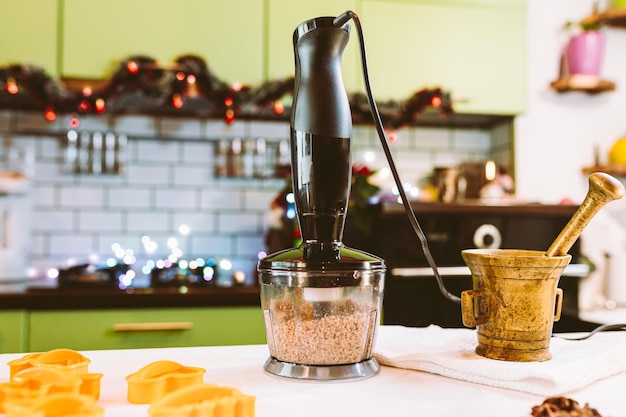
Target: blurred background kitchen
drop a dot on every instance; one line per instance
(181, 189)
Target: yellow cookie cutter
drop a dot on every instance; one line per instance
(32, 383)
(64, 359)
(55, 405)
(158, 378)
(207, 400)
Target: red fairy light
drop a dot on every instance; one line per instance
(11, 86)
(84, 106)
(392, 136)
(50, 115)
(230, 116)
(228, 101)
(177, 101)
(100, 105)
(180, 75)
(132, 67)
(279, 108)
(74, 122)
(435, 101)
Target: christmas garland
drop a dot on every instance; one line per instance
(187, 87)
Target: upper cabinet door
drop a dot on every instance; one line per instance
(285, 15)
(227, 34)
(476, 49)
(28, 33)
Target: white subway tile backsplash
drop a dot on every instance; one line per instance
(216, 199)
(52, 221)
(168, 180)
(154, 175)
(36, 121)
(215, 129)
(268, 130)
(185, 199)
(431, 138)
(94, 123)
(238, 223)
(259, 200)
(160, 150)
(71, 196)
(197, 152)
(181, 128)
(131, 198)
(216, 246)
(136, 125)
(140, 222)
(250, 246)
(198, 222)
(100, 221)
(471, 139)
(191, 175)
(78, 247)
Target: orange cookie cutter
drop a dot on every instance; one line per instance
(158, 378)
(65, 359)
(32, 383)
(208, 400)
(55, 405)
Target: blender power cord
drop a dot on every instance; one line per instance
(340, 21)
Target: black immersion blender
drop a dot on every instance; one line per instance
(322, 301)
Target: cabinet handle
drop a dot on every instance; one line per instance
(156, 326)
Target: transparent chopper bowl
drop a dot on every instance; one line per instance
(311, 321)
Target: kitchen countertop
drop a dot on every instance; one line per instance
(393, 391)
(25, 298)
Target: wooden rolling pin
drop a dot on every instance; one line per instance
(603, 188)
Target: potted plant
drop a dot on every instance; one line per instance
(584, 51)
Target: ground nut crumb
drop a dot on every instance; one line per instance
(342, 335)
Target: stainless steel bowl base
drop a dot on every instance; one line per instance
(364, 369)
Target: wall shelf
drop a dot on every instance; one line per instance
(612, 17)
(583, 83)
(611, 169)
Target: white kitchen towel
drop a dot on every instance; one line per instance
(450, 352)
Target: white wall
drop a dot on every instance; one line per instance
(558, 134)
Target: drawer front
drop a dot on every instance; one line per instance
(145, 328)
(13, 331)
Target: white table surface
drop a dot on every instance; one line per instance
(393, 392)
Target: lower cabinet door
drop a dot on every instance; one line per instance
(13, 331)
(145, 328)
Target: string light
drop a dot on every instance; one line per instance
(132, 66)
(279, 108)
(50, 115)
(177, 101)
(100, 105)
(11, 86)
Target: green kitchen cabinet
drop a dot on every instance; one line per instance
(145, 328)
(13, 331)
(476, 49)
(227, 35)
(28, 33)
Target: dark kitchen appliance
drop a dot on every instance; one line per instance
(322, 300)
(412, 296)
